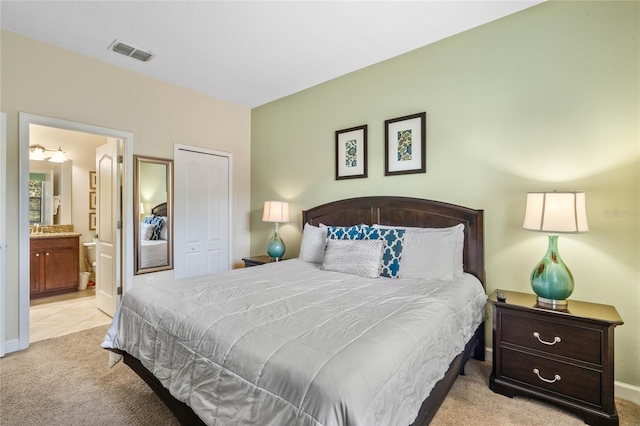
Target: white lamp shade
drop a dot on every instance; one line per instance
(275, 211)
(37, 154)
(59, 157)
(561, 212)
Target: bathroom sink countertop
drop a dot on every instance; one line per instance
(55, 235)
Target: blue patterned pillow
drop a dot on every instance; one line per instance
(157, 223)
(345, 232)
(393, 241)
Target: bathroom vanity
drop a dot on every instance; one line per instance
(54, 263)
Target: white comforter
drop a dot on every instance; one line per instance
(153, 253)
(289, 344)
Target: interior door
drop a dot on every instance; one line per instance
(201, 213)
(108, 226)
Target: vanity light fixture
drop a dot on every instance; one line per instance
(59, 157)
(37, 153)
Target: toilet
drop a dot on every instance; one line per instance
(90, 258)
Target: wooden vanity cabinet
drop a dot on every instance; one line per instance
(54, 266)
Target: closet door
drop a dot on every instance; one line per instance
(202, 200)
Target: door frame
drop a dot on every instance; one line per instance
(206, 151)
(126, 261)
(3, 223)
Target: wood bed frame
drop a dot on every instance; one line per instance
(395, 211)
(159, 210)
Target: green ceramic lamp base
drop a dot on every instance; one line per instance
(551, 280)
(276, 247)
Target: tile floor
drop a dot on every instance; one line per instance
(63, 314)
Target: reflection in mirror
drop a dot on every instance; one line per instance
(153, 214)
(49, 193)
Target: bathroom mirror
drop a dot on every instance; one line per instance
(153, 212)
(49, 193)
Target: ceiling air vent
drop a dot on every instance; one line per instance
(129, 51)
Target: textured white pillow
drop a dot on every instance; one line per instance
(163, 231)
(432, 253)
(356, 257)
(313, 243)
(146, 231)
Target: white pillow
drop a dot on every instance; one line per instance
(146, 231)
(356, 257)
(313, 243)
(431, 253)
(163, 231)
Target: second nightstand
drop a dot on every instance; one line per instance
(561, 357)
(256, 260)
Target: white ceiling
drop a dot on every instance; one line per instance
(249, 52)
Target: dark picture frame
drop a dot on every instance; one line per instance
(405, 145)
(351, 153)
(93, 221)
(93, 180)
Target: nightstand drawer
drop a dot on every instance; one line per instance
(563, 379)
(553, 337)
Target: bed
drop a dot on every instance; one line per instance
(298, 379)
(154, 252)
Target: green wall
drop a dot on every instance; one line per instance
(547, 98)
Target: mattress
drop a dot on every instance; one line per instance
(153, 253)
(287, 343)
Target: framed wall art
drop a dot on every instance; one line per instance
(93, 200)
(351, 153)
(93, 221)
(93, 180)
(405, 145)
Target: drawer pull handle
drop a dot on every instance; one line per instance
(555, 339)
(555, 378)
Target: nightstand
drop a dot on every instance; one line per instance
(560, 357)
(256, 260)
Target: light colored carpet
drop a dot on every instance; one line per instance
(66, 381)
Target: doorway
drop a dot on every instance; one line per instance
(125, 263)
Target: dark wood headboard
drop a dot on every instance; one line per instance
(405, 211)
(160, 210)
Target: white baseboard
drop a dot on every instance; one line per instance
(627, 392)
(620, 389)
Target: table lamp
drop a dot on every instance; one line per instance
(278, 212)
(554, 212)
